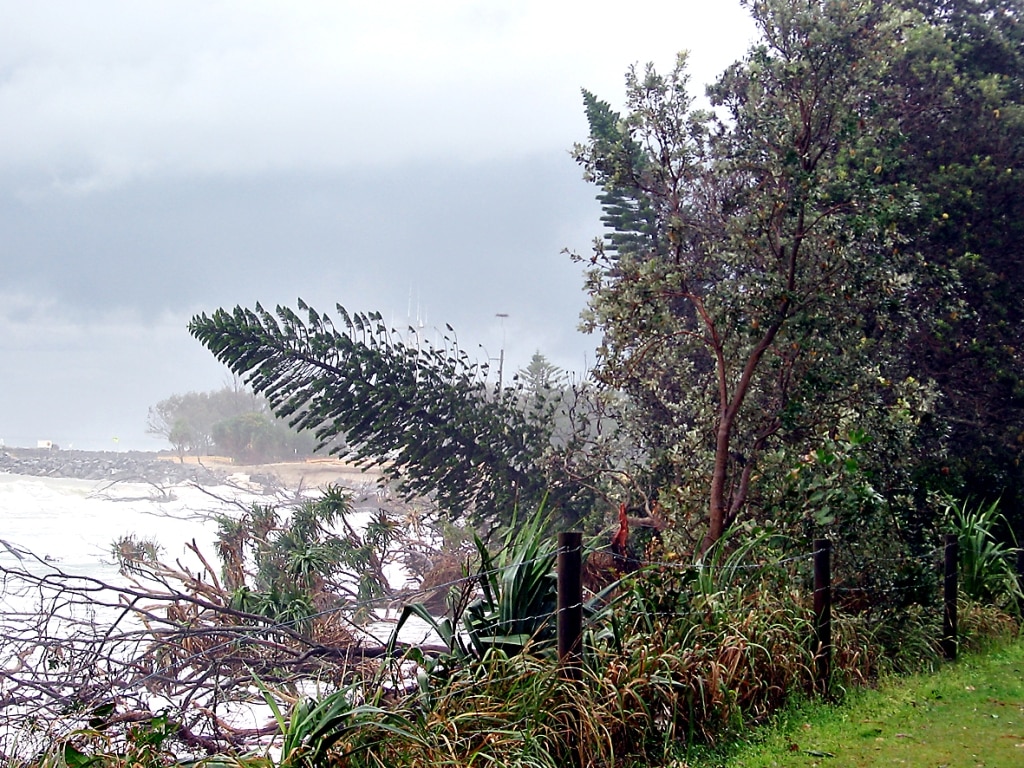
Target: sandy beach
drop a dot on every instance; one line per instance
(310, 473)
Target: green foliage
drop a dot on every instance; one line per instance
(131, 552)
(257, 437)
(298, 569)
(146, 744)
(946, 717)
(688, 654)
(987, 568)
(699, 647)
(768, 290)
(181, 436)
(424, 415)
(231, 421)
(778, 282)
(545, 398)
(960, 106)
(830, 490)
(879, 553)
(187, 420)
(515, 609)
(519, 589)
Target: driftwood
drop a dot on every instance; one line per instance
(163, 640)
(77, 651)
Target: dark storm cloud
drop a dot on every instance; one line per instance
(158, 160)
(472, 239)
(98, 287)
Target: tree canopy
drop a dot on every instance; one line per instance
(767, 286)
(820, 264)
(231, 421)
(426, 415)
(959, 88)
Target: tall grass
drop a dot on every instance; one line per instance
(687, 653)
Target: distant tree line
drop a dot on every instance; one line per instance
(231, 421)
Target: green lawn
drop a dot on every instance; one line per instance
(968, 714)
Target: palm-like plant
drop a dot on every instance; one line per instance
(517, 597)
(519, 589)
(986, 563)
(292, 568)
(313, 729)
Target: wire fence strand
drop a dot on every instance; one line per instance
(154, 636)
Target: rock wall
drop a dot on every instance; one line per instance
(130, 466)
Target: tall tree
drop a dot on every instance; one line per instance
(425, 415)
(544, 391)
(765, 304)
(959, 89)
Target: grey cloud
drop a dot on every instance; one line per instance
(408, 157)
(459, 234)
(99, 286)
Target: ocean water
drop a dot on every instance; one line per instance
(73, 523)
(70, 525)
(66, 526)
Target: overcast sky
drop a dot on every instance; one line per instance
(159, 159)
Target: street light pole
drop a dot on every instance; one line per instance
(501, 353)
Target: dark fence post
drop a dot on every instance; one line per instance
(1020, 576)
(822, 613)
(949, 595)
(569, 568)
(570, 602)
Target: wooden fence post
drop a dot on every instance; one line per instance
(569, 620)
(822, 613)
(949, 596)
(570, 602)
(1020, 576)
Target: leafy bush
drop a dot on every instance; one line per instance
(986, 564)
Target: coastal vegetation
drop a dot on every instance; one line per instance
(809, 330)
(679, 657)
(231, 422)
(964, 714)
(778, 279)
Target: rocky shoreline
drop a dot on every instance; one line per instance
(129, 466)
(163, 469)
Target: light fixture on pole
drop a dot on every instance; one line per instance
(501, 353)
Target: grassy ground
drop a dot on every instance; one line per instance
(968, 714)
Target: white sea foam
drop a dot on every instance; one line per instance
(73, 523)
(69, 526)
